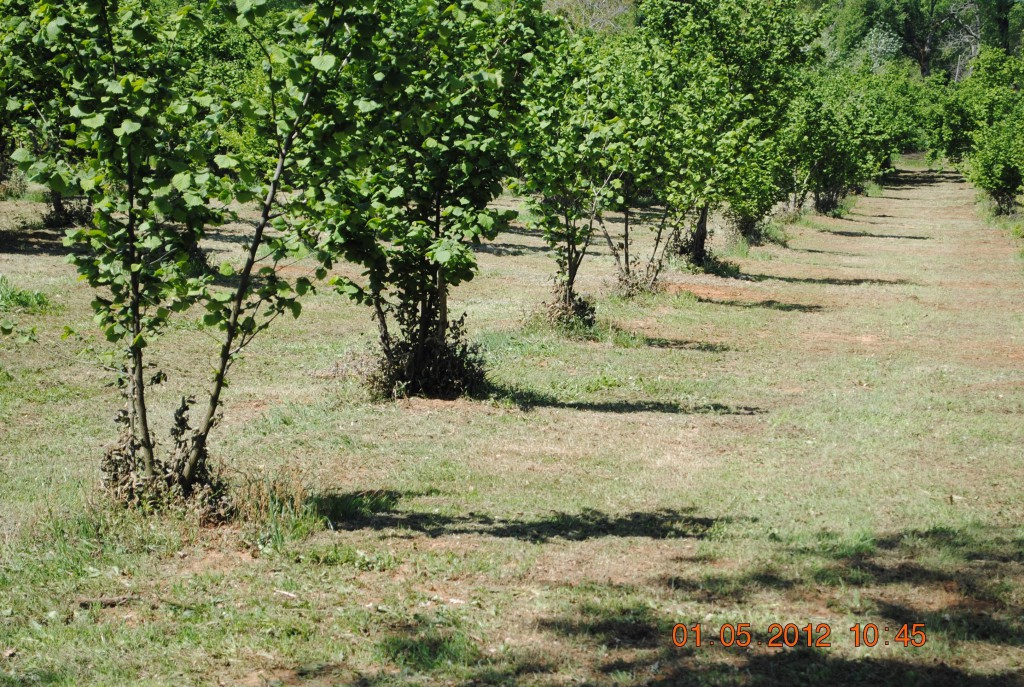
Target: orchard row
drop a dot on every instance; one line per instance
(378, 133)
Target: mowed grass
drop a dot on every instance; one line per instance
(833, 438)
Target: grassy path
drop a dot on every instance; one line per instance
(835, 438)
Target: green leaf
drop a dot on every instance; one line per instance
(325, 62)
(225, 161)
(96, 121)
(226, 269)
(182, 181)
(53, 28)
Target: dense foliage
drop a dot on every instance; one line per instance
(979, 124)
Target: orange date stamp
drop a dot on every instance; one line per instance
(790, 635)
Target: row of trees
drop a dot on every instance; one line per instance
(705, 106)
(378, 133)
(979, 125)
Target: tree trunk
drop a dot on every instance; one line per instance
(140, 427)
(440, 284)
(698, 245)
(1003, 26)
(197, 448)
(141, 414)
(625, 241)
(442, 306)
(57, 209)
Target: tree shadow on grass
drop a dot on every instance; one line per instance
(799, 667)
(528, 399)
(812, 667)
(832, 281)
(976, 575)
(509, 249)
(919, 179)
(631, 624)
(224, 235)
(657, 407)
(33, 239)
(714, 587)
(606, 633)
(622, 635)
(868, 235)
(645, 667)
(435, 645)
(827, 252)
(686, 345)
(378, 510)
(767, 305)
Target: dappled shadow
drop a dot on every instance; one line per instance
(17, 678)
(222, 235)
(621, 633)
(509, 249)
(833, 281)
(919, 179)
(768, 305)
(868, 235)
(33, 239)
(637, 217)
(974, 621)
(615, 624)
(521, 230)
(962, 584)
(736, 588)
(435, 644)
(641, 664)
(379, 510)
(805, 666)
(632, 639)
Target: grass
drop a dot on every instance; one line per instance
(873, 189)
(15, 300)
(832, 441)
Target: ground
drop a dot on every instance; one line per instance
(833, 438)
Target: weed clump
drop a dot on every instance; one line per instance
(438, 367)
(14, 186)
(635, 284)
(127, 483)
(569, 310)
(277, 508)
